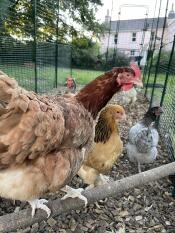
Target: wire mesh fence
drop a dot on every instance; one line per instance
(30, 52)
(29, 48)
(160, 89)
(159, 75)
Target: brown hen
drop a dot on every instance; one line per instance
(44, 140)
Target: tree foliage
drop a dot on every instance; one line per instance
(114, 58)
(20, 17)
(84, 52)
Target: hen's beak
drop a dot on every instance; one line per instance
(138, 83)
(120, 116)
(124, 117)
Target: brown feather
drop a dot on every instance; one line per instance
(97, 93)
(41, 138)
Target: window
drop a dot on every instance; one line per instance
(152, 35)
(132, 52)
(116, 38)
(134, 36)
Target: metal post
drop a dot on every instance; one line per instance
(117, 33)
(71, 51)
(56, 56)
(154, 46)
(160, 50)
(166, 78)
(145, 28)
(35, 42)
(56, 46)
(167, 72)
(150, 45)
(107, 51)
(148, 62)
(109, 34)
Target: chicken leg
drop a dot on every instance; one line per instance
(139, 167)
(39, 204)
(102, 179)
(73, 193)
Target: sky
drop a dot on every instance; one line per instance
(132, 12)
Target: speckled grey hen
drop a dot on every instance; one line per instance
(143, 138)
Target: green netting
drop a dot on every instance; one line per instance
(29, 48)
(163, 91)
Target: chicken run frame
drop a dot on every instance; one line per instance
(39, 63)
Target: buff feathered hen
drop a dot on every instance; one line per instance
(107, 146)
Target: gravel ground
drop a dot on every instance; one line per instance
(148, 208)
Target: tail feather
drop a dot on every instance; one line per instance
(11, 94)
(28, 124)
(7, 87)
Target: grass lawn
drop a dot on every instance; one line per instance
(158, 91)
(167, 120)
(46, 76)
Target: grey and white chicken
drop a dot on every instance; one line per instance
(143, 138)
(128, 95)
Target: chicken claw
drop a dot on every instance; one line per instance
(73, 193)
(39, 204)
(102, 179)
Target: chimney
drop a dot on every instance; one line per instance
(171, 14)
(107, 17)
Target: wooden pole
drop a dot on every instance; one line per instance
(11, 222)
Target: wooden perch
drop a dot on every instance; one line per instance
(11, 222)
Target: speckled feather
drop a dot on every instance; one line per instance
(142, 143)
(41, 141)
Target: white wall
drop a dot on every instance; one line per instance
(169, 34)
(125, 40)
(125, 43)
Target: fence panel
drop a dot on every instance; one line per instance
(162, 91)
(29, 48)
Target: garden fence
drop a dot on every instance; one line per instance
(29, 48)
(159, 79)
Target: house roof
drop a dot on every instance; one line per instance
(136, 24)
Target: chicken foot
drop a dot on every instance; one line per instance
(102, 179)
(73, 193)
(39, 204)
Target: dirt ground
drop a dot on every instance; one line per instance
(149, 208)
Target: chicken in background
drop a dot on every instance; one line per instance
(128, 94)
(107, 146)
(45, 139)
(143, 138)
(70, 85)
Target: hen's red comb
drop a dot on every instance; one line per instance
(137, 70)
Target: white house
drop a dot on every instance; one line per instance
(132, 37)
(170, 30)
